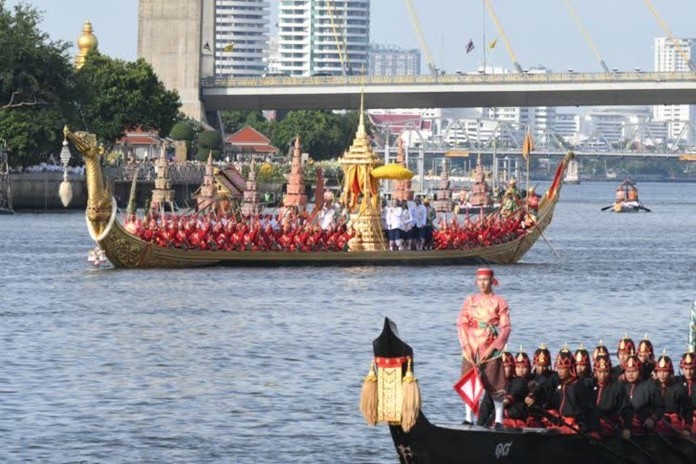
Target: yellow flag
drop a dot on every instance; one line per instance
(493, 43)
(527, 145)
(228, 48)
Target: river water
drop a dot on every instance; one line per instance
(265, 366)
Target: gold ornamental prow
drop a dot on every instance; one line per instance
(361, 191)
(100, 205)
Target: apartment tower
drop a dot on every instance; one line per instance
(680, 119)
(241, 37)
(323, 37)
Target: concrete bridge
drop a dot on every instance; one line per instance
(450, 91)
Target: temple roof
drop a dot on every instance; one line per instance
(249, 139)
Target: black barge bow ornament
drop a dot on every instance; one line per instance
(392, 394)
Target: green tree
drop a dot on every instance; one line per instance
(118, 95)
(234, 120)
(323, 133)
(182, 130)
(209, 140)
(35, 86)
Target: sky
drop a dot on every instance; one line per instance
(541, 32)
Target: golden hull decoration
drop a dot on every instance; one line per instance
(126, 250)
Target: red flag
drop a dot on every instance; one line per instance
(470, 389)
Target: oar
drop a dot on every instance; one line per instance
(647, 210)
(587, 437)
(673, 448)
(630, 440)
(677, 431)
(607, 207)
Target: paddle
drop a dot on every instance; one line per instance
(672, 447)
(607, 207)
(677, 431)
(629, 439)
(647, 210)
(587, 437)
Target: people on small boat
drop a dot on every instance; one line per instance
(483, 326)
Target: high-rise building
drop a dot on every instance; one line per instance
(241, 37)
(390, 60)
(680, 119)
(323, 36)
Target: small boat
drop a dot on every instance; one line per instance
(127, 250)
(627, 200)
(418, 441)
(572, 176)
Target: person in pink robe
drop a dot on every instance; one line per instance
(483, 326)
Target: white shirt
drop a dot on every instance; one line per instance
(421, 215)
(394, 217)
(326, 218)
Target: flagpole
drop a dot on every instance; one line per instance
(484, 35)
(527, 160)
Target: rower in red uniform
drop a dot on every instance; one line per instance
(571, 401)
(646, 354)
(678, 409)
(614, 410)
(583, 365)
(688, 381)
(600, 350)
(544, 382)
(625, 349)
(483, 327)
(516, 391)
(644, 395)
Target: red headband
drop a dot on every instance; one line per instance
(485, 272)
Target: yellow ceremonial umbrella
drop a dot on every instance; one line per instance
(393, 172)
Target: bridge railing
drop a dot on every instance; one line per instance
(178, 173)
(452, 79)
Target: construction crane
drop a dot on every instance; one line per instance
(587, 37)
(341, 45)
(498, 26)
(674, 41)
(421, 38)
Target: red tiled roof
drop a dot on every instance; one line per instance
(248, 136)
(140, 137)
(399, 122)
(139, 140)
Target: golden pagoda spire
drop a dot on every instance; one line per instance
(85, 43)
(361, 123)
